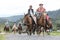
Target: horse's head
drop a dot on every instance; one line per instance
(42, 18)
(27, 19)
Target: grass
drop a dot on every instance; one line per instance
(2, 37)
(54, 33)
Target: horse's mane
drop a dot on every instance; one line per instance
(26, 15)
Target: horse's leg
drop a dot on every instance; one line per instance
(8, 29)
(48, 28)
(33, 29)
(14, 30)
(37, 30)
(19, 31)
(48, 31)
(28, 30)
(42, 30)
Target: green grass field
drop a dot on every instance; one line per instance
(54, 33)
(2, 37)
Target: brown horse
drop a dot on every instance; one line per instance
(28, 22)
(42, 24)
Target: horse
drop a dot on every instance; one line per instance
(6, 28)
(14, 28)
(19, 28)
(28, 21)
(42, 24)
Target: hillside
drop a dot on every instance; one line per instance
(2, 20)
(11, 19)
(55, 15)
(14, 18)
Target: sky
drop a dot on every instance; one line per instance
(19, 7)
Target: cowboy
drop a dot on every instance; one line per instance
(31, 14)
(40, 10)
(30, 10)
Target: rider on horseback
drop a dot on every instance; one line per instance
(30, 10)
(31, 13)
(40, 10)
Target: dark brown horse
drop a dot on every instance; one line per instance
(28, 22)
(19, 28)
(6, 28)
